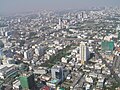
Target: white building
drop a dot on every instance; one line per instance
(89, 79)
(64, 60)
(118, 27)
(40, 50)
(16, 85)
(7, 70)
(28, 54)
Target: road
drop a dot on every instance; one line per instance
(110, 68)
(80, 75)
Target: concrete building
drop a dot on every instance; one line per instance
(7, 70)
(28, 54)
(107, 45)
(53, 83)
(84, 53)
(40, 50)
(119, 35)
(1, 55)
(57, 72)
(27, 81)
(16, 85)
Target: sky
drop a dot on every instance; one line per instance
(13, 6)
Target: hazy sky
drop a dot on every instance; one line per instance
(11, 6)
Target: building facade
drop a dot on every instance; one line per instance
(84, 53)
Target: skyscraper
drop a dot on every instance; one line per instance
(84, 53)
(60, 25)
(60, 21)
(27, 81)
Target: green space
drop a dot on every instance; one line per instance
(57, 57)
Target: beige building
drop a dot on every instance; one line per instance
(84, 53)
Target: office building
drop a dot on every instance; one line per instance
(16, 85)
(40, 50)
(1, 44)
(118, 27)
(57, 72)
(7, 71)
(107, 45)
(28, 54)
(60, 21)
(60, 25)
(3, 30)
(27, 81)
(1, 54)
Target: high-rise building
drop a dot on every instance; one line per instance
(1, 44)
(27, 81)
(79, 16)
(118, 28)
(82, 14)
(28, 54)
(60, 25)
(60, 21)
(107, 45)
(40, 50)
(1, 54)
(84, 53)
(119, 35)
(57, 72)
(3, 30)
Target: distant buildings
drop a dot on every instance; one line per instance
(48, 46)
(60, 22)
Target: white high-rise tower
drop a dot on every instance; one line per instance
(84, 53)
(60, 25)
(60, 21)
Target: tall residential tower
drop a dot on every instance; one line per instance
(84, 53)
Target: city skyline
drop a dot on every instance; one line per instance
(59, 45)
(14, 6)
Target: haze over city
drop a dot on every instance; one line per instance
(59, 44)
(13, 6)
